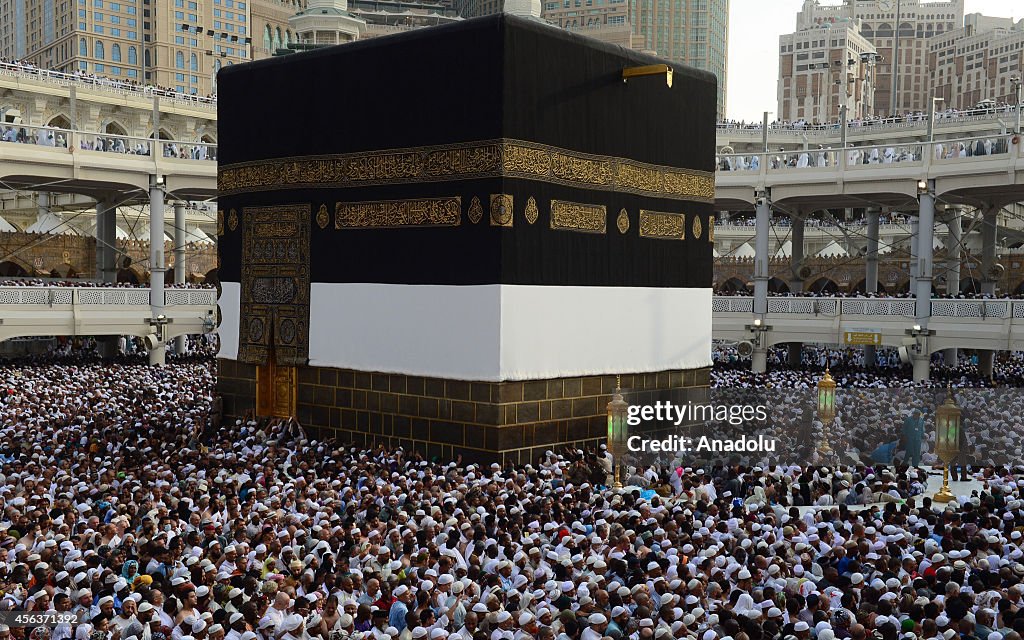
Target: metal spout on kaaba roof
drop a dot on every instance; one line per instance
(648, 70)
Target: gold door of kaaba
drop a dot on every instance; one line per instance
(276, 387)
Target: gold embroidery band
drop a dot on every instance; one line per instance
(573, 216)
(662, 226)
(392, 214)
(470, 160)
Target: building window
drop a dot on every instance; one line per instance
(100, 68)
(179, 60)
(194, 64)
(83, 47)
(133, 56)
(277, 38)
(115, 52)
(99, 53)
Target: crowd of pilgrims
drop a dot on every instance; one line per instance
(129, 502)
(850, 369)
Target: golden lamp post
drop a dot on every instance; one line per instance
(618, 410)
(947, 441)
(826, 410)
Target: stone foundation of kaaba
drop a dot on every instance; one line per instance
(482, 421)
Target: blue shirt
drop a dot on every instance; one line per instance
(396, 618)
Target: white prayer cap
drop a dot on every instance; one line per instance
(291, 623)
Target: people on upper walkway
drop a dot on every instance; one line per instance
(22, 66)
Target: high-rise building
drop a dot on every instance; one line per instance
(270, 28)
(978, 62)
(325, 23)
(477, 8)
(823, 68)
(907, 46)
(12, 28)
(691, 32)
(179, 44)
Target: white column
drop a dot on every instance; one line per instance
(43, 208)
(914, 236)
(156, 262)
(179, 262)
(106, 260)
(759, 359)
(986, 357)
(923, 294)
(871, 272)
(796, 284)
(106, 239)
(953, 241)
(101, 251)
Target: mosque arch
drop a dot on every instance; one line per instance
(732, 286)
(824, 285)
(778, 285)
(970, 285)
(11, 269)
(115, 128)
(862, 287)
(59, 121)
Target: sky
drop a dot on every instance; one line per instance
(754, 30)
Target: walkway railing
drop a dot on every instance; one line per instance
(99, 311)
(70, 140)
(101, 296)
(992, 116)
(902, 307)
(106, 85)
(855, 158)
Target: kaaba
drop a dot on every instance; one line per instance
(454, 239)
